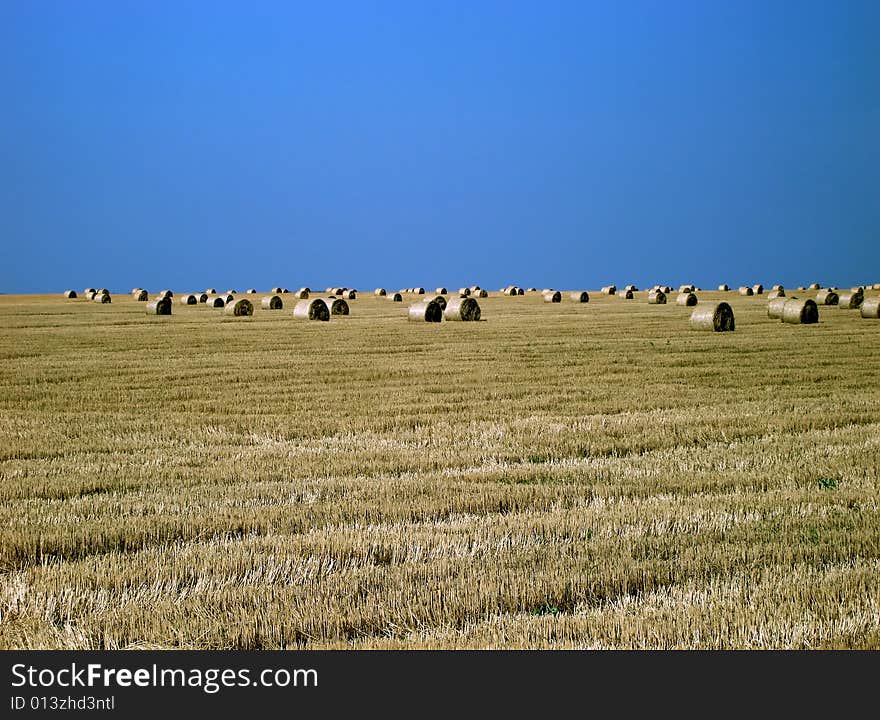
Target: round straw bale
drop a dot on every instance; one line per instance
(464, 292)
(380, 292)
(70, 294)
(395, 297)
(305, 289)
(251, 291)
(228, 298)
(466, 309)
(338, 291)
(625, 295)
(272, 302)
(724, 287)
(758, 289)
(688, 299)
(746, 291)
(774, 307)
(870, 308)
(90, 295)
(531, 290)
(631, 287)
(440, 290)
(350, 294)
(135, 290)
(858, 288)
(850, 300)
(777, 288)
(419, 290)
(552, 296)
(239, 308)
(89, 290)
(439, 299)
(160, 306)
(775, 294)
(815, 286)
(203, 297)
(302, 293)
(481, 293)
(875, 286)
(425, 312)
(656, 297)
(581, 296)
(686, 288)
(102, 298)
(800, 312)
(827, 297)
(717, 317)
(474, 288)
(216, 301)
(609, 290)
(337, 306)
(520, 291)
(165, 293)
(328, 290)
(232, 292)
(140, 296)
(311, 309)
(210, 291)
(189, 300)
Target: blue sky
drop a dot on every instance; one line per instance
(565, 144)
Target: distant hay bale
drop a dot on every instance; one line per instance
(440, 290)
(305, 289)
(777, 288)
(758, 289)
(439, 299)
(532, 290)
(395, 297)
(425, 312)
(338, 291)
(480, 293)
(870, 308)
(272, 302)
(419, 290)
(160, 306)
(251, 291)
(656, 297)
(520, 291)
(302, 293)
(242, 307)
(800, 312)
(552, 296)
(189, 300)
(851, 300)
(801, 288)
(312, 309)
(580, 296)
(686, 289)
(746, 291)
(232, 292)
(140, 296)
(380, 292)
(776, 294)
(688, 299)
(203, 298)
(875, 286)
(632, 288)
(216, 301)
(101, 298)
(103, 291)
(465, 309)
(717, 317)
(609, 290)
(70, 294)
(815, 286)
(337, 306)
(89, 290)
(774, 307)
(350, 294)
(827, 297)
(228, 298)
(165, 293)
(90, 295)
(210, 291)
(723, 287)
(474, 288)
(625, 295)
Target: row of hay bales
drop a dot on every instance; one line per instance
(437, 308)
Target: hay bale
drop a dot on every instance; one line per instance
(464, 292)
(232, 292)
(778, 288)
(686, 289)
(532, 290)
(228, 298)
(272, 302)
(580, 296)
(306, 290)
(439, 299)
(609, 290)
(189, 300)
(140, 296)
(625, 295)
(90, 295)
(425, 312)
(656, 297)
(70, 294)
(242, 307)
(380, 292)
(758, 289)
(474, 288)
(165, 293)
(338, 291)
(800, 312)
(827, 297)
(632, 288)
(851, 300)
(465, 309)
(870, 308)
(302, 293)
(776, 294)
(160, 306)
(774, 307)
(395, 297)
(210, 291)
(337, 306)
(312, 309)
(875, 286)
(552, 296)
(350, 294)
(520, 291)
(216, 301)
(746, 291)
(440, 290)
(480, 293)
(723, 287)
(251, 291)
(89, 290)
(203, 298)
(716, 317)
(815, 286)
(688, 299)
(419, 290)
(102, 298)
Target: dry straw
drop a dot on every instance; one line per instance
(480, 293)
(723, 287)
(337, 306)
(101, 298)
(350, 294)
(466, 309)
(758, 289)
(581, 296)
(189, 300)
(160, 306)
(688, 299)
(70, 294)
(774, 307)
(312, 309)
(815, 286)
(656, 297)
(552, 296)
(746, 291)
(778, 288)
(851, 300)
(380, 292)
(440, 290)
(302, 293)
(625, 294)
(239, 308)
(800, 312)
(140, 296)
(216, 301)
(870, 308)
(439, 299)
(780, 293)
(827, 297)
(717, 318)
(425, 312)
(272, 302)
(395, 297)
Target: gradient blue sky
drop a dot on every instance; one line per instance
(566, 144)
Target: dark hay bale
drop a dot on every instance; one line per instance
(102, 298)
(758, 289)
(870, 308)
(272, 302)
(337, 306)
(851, 300)
(777, 288)
(827, 297)
(581, 296)
(210, 291)
(203, 297)
(160, 306)
(395, 297)
(70, 294)
(717, 318)
(239, 308)
(440, 290)
(632, 288)
(688, 299)
(800, 312)
(425, 312)
(439, 299)
(350, 294)
(216, 301)
(232, 292)
(189, 300)
(419, 290)
(609, 290)
(89, 290)
(686, 289)
(140, 296)
(746, 291)
(165, 293)
(250, 291)
(552, 296)
(465, 309)
(228, 298)
(312, 309)
(656, 297)
(480, 293)
(380, 292)
(625, 295)
(276, 290)
(302, 293)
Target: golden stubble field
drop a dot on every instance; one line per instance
(555, 476)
